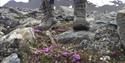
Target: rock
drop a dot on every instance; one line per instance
(121, 24)
(13, 58)
(1, 34)
(48, 24)
(10, 18)
(113, 26)
(64, 18)
(29, 22)
(8, 22)
(67, 11)
(14, 17)
(15, 40)
(74, 37)
(10, 13)
(85, 44)
(36, 14)
(20, 33)
(107, 18)
(60, 17)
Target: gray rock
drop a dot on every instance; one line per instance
(9, 18)
(64, 18)
(10, 12)
(13, 58)
(36, 14)
(74, 37)
(19, 38)
(8, 22)
(48, 24)
(107, 18)
(67, 11)
(29, 22)
(20, 33)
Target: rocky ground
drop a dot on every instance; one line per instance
(22, 40)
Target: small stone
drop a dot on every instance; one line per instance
(13, 58)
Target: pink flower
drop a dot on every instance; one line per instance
(46, 50)
(43, 50)
(76, 57)
(60, 30)
(65, 53)
(36, 30)
(116, 53)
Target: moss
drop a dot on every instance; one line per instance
(46, 59)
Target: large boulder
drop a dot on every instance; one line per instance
(20, 33)
(13, 58)
(80, 38)
(16, 40)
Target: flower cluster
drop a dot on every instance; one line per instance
(58, 54)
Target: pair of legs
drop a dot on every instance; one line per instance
(80, 22)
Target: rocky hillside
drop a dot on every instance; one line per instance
(91, 6)
(22, 40)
